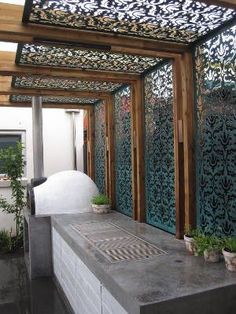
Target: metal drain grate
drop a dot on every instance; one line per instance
(115, 243)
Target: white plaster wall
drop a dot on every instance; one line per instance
(58, 146)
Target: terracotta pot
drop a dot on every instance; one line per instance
(212, 256)
(190, 245)
(101, 209)
(230, 260)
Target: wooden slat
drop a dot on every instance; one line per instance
(9, 68)
(178, 148)
(12, 30)
(224, 3)
(138, 151)
(188, 138)
(45, 105)
(110, 151)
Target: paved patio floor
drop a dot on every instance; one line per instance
(18, 295)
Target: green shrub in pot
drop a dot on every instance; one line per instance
(101, 204)
(189, 234)
(229, 252)
(210, 246)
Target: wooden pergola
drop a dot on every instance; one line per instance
(26, 67)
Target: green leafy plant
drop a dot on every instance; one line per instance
(5, 241)
(100, 199)
(230, 244)
(190, 232)
(207, 242)
(13, 167)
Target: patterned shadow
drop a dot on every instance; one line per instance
(100, 137)
(70, 57)
(173, 20)
(123, 165)
(56, 100)
(216, 133)
(159, 149)
(64, 84)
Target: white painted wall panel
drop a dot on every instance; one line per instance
(110, 304)
(82, 288)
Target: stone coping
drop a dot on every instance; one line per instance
(166, 283)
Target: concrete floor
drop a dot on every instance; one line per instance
(18, 295)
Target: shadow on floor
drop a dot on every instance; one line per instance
(18, 295)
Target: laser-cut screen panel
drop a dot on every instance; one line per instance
(123, 163)
(89, 59)
(173, 20)
(53, 100)
(38, 82)
(100, 145)
(159, 149)
(215, 75)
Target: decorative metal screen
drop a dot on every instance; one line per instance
(35, 81)
(54, 99)
(216, 133)
(175, 20)
(100, 138)
(159, 149)
(123, 165)
(89, 59)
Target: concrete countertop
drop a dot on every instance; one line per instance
(175, 282)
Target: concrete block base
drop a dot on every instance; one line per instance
(37, 245)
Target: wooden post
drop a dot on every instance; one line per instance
(110, 151)
(138, 151)
(184, 142)
(188, 138)
(90, 151)
(178, 147)
(134, 151)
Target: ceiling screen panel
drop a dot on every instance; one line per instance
(56, 100)
(88, 59)
(39, 82)
(173, 20)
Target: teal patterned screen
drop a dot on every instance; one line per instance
(100, 137)
(216, 133)
(123, 165)
(159, 149)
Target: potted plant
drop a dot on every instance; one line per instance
(101, 204)
(210, 246)
(229, 252)
(189, 234)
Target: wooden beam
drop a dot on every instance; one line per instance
(188, 138)
(224, 3)
(12, 30)
(138, 150)
(4, 98)
(178, 148)
(6, 89)
(9, 68)
(45, 105)
(110, 151)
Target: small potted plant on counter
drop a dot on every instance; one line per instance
(229, 252)
(210, 246)
(189, 234)
(101, 204)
